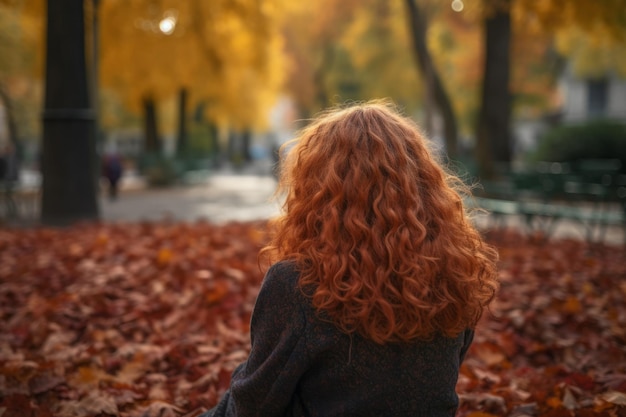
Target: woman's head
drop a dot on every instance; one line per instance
(378, 227)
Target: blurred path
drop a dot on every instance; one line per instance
(243, 195)
(218, 198)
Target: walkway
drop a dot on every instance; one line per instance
(218, 198)
(229, 195)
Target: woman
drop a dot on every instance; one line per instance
(378, 278)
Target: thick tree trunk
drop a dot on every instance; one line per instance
(152, 143)
(493, 135)
(434, 85)
(69, 164)
(181, 140)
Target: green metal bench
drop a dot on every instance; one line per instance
(19, 204)
(591, 193)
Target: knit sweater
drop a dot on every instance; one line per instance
(300, 365)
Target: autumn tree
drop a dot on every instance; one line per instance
(418, 22)
(313, 42)
(493, 129)
(225, 54)
(506, 24)
(493, 132)
(341, 51)
(593, 55)
(8, 43)
(377, 39)
(17, 68)
(8, 46)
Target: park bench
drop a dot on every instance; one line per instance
(592, 193)
(21, 204)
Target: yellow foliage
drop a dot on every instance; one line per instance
(9, 40)
(21, 38)
(350, 50)
(592, 54)
(379, 44)
(225, 53)
(551, 16)
(455, 44)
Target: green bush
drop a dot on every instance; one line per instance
(159, 170)
(598, 139)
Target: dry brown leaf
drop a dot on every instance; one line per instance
(569, 401)
(161, 409)
(93, 404)
(614, 397)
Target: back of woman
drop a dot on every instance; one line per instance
(377, 283)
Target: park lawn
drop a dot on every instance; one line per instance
(150, 319)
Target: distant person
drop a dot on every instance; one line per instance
(9, 177)
(112, 170)
(377, 283)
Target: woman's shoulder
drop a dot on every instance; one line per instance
(281, 277)
(284, 267)
(280, 292)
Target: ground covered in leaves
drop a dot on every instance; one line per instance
(150, 320)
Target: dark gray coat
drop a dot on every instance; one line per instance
(302, 366)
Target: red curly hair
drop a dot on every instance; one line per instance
(378, 228)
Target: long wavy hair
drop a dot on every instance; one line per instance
(378, 229)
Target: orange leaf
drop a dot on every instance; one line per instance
(164, 257)
(572, 305)
(217, 292)
(90, 376)
(489, 353)
(102, 239)
(554, 402)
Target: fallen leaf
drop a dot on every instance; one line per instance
(569, 401)
(161, 409)
(614, 397)
(93, 404)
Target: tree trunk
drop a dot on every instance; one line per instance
(319, 76)
(493, 135)
(69, 164)
(246, 139)
(181, 140)
(216, 149)
(232, 148)
(434, 85)
(152, 143)
(10, 115)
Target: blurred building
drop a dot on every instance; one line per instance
(589, 98)
(582, 99)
